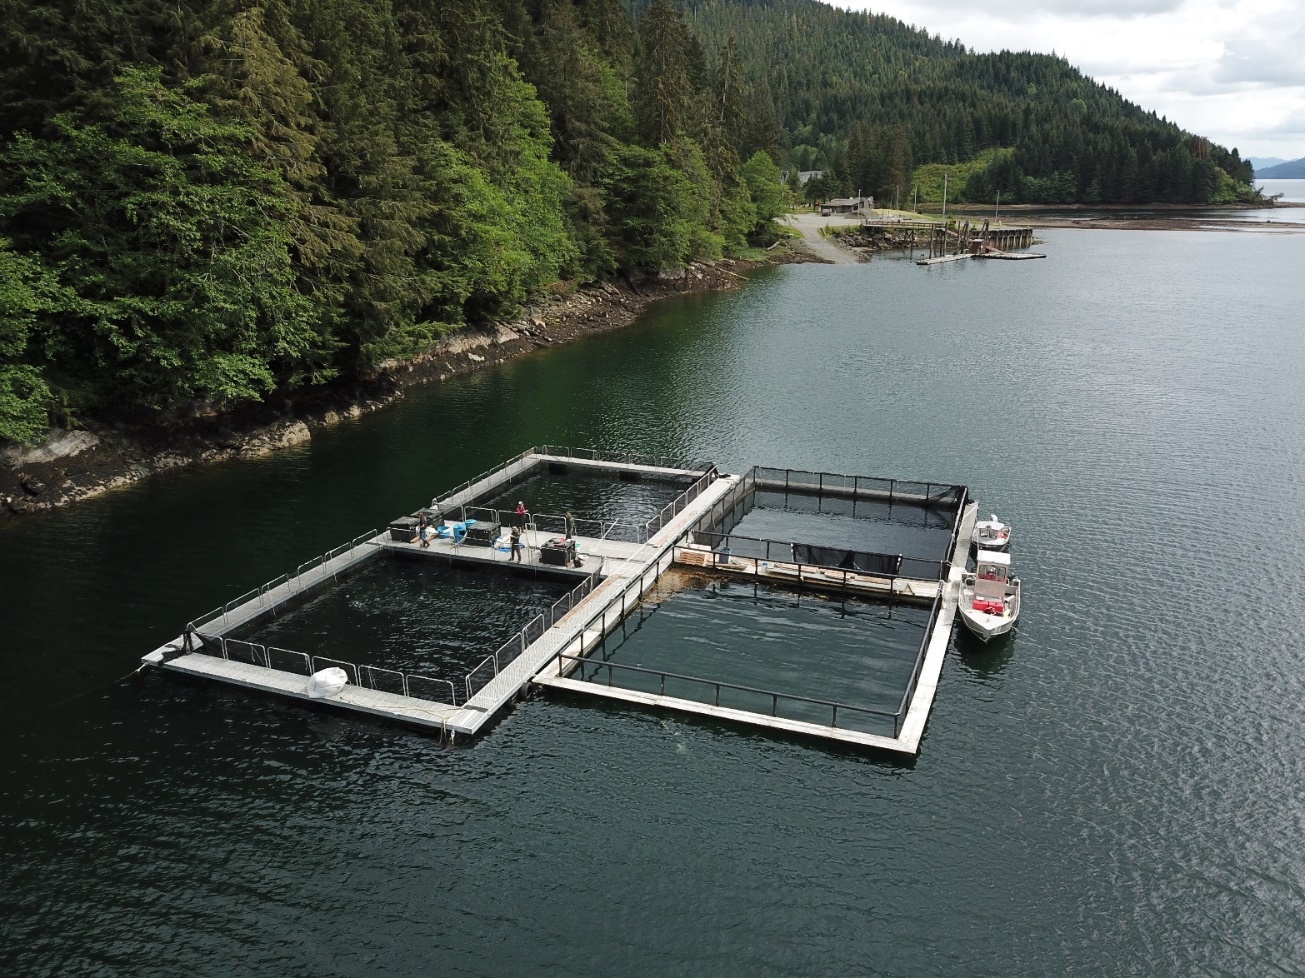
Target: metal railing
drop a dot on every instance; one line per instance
(549, 523)
(626, 599)
(894, 490)
(378, 678)
(731, 507)
(680, 503)
(854, 562)
(266, 592)
(717, 685)
(582, 657)
(454, 493)
(905, 703)
(483, 673)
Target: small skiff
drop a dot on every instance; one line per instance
(991, 534)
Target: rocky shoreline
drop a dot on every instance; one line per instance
(105, 455)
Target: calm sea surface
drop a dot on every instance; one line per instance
(1293, 191)
(1120, 790)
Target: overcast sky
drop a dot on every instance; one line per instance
(1231, 70)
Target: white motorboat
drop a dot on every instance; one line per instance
(990, 597)
(991, 534)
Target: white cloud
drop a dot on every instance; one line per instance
(1233, 70)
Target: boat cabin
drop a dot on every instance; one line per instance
(992, 530)
(991, 574)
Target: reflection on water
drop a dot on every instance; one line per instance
(412, 615)
(1119, 796)
(801, 643)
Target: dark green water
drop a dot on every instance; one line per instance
(1118, 791)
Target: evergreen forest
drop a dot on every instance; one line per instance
(205, 201)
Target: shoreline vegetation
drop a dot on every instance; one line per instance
(100, 456)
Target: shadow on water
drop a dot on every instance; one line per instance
(984, 660)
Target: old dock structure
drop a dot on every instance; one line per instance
(953, 240)
(610, 566)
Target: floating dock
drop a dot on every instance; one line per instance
(619, 562)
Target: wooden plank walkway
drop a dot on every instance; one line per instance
(293, 588)
(488, 483)
(765, 721)
(900, 588)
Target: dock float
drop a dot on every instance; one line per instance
(619, 562)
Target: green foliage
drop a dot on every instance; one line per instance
(273, 193)
(770, 196)
(840, 83)
(169, 243)
(928, 179)
(650, 205)
(27, 292)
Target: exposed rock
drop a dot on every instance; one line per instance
(283, 434)
(60, 444)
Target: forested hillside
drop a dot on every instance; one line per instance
(208, 200)
(212, 199)
(1291, 170)
(866, 98)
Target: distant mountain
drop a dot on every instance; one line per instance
(1263, 162)
(868, 99)
(1294, 170)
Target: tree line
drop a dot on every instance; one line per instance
(209, 200)
(866, 98)
(214, 199)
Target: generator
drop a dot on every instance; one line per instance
(558, 552)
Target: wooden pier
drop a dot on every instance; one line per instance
(953, 240)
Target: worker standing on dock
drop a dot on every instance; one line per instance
(516, 544)
(569, 525)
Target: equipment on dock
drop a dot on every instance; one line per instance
(991, 534)
(482, 534)
(990, 597)
(456, 530)
(404, 528)
(558, 552)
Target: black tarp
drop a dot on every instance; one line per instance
(852, 560)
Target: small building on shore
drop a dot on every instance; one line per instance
(847, 205)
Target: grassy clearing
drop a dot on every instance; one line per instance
(929, 178)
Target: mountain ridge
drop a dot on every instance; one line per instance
(1290, 170)
(839, 83)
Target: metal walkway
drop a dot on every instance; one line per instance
(615, 576)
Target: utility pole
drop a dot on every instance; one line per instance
(998, 210)
(915, 204)
(944, 213)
